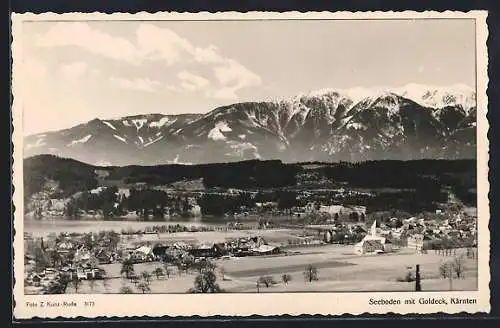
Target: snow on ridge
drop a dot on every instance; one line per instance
(162, 122)
(356, 126)
(153, 141)
(242, 136)
(39, 143)
(139, 123)
(120, 138)
(102, 163)
(109, 124)
(216, 132)
(78, 141)
(141, 139)
(239, 148)
(463, 94)
(126, 123)
(439, 96)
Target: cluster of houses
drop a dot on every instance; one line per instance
(420, 230)
(412, 233)
(74, 260)
(251, 246)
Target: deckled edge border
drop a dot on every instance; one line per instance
(481, 15)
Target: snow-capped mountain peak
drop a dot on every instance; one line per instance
(413, 121)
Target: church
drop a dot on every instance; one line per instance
(372, 243)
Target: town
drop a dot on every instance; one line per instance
(126, 261)
(254, 226)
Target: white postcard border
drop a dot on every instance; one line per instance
(156, 305)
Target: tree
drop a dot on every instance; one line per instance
(146, 276)
(143, 286)
(354, 216)
(444, 270)
(286, 278)
(105, 283)
(126, 290)
(206, 282)
(56, 287)
(311, 273)
(187, 263)
(41, 260)
(266, 281)
(180, 267)
(222, 272)
(204, 265)
(114, 239)
(167, 270)
(92, 284)
(127, 269)
(158, 272)
(458, 266)
(55, 258)
(75, 282)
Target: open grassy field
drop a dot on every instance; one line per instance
(340, 270)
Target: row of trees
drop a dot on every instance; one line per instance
(220, 204)
(310, 274)
(205, 281)
(145, 202)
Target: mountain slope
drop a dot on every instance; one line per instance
(328, 125)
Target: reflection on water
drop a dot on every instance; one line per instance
(47, 225)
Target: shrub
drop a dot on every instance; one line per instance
(266, 281)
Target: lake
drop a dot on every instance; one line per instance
(40, 228)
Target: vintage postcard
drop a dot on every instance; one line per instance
(236, 164)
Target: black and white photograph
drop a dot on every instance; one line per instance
(250, 156)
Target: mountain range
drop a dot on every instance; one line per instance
(412, 122)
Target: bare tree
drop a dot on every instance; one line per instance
(126, 290)
(146, 276)
(459, 266)
(267, 281)
(167, 270)
(286, 278)
(206, 282)
(143, 286)
(92, 284)
(222, 272)
(127, 269)
(158, 272)
(105, 283)
(311, 273)
(76, 284)
(444, 270)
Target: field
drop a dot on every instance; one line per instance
(339, 270)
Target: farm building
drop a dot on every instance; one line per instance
(416, 242)
(207, 251)
(265, 250)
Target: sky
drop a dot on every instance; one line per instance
(73, 72)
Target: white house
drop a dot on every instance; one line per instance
(144, 253)
(372, 243)
(416, 242)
